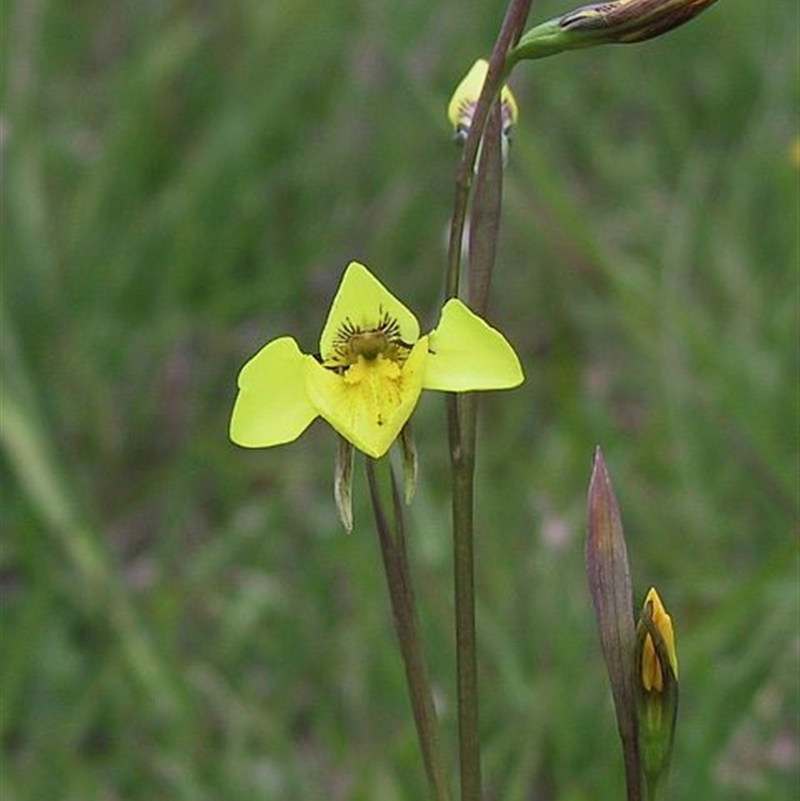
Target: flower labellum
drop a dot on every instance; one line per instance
(371, 368)
(461, 108)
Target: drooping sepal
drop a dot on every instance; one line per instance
(343, 483)
(408, 448)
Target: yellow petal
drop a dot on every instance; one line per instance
(272, 406)
(466, 354)
(663, 623)
(462, 103)
(652, 677)
(370, 402)
(507, 99)
(362, 301)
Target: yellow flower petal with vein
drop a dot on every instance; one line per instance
(372, 399)
(466, 354)
(272, 406)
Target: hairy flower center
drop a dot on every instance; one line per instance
(354, 344)
(369, 344)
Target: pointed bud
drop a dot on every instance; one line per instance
(627, 21)
(343, 483)
(613, 22)
(657, 688)
(609, 580)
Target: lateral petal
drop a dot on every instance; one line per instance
(272, 406)
(467, 354)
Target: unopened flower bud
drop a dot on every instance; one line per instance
(609, 579)
(657, 688)
(632, 20)
(613, 22)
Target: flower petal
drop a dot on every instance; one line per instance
(465, 96)
(370, 402)
(510, 102)
(272, 406)
(466, 354)
(462, 104)
(363, 300)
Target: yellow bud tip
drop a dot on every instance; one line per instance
(652, 670)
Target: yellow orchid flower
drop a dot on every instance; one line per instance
(371, 368)
(461, 108)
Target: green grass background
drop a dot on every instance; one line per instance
(184, 180)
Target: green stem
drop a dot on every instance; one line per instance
(461, 412)
(511, 30)
(391, 533)
(461, 421)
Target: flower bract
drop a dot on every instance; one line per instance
(370, 370)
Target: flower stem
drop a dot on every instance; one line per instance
(389, 521)
(510, 31)
(462, 409)
(461, 412)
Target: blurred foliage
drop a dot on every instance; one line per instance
(185, 179)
